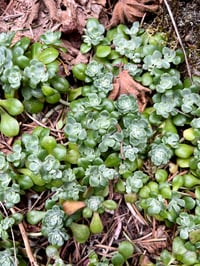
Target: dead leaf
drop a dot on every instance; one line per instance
(130, 10)
(70, 206)
(125, 84)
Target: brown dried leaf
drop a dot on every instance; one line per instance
(70, 206)
(125, 84)
(115, 91)
(130, 10)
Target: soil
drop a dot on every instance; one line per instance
(34, 17)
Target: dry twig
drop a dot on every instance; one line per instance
(26, 242)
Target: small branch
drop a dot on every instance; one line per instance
(179, 39)
(26, 242)
(64, 102)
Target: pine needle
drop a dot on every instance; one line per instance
(179, 39)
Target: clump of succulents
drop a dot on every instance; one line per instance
(31, 71)
(109, 142)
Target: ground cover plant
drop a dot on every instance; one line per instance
(130, 133)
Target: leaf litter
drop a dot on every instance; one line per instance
(125, 84)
